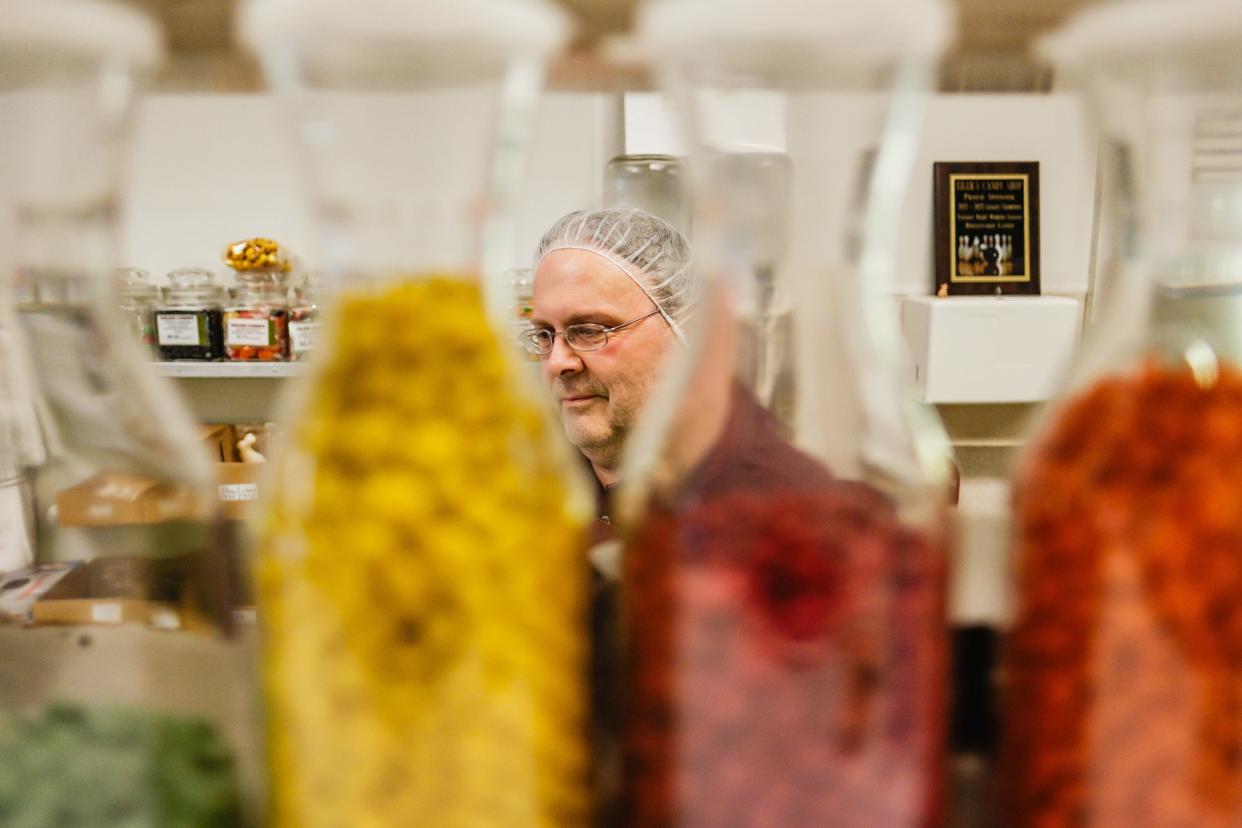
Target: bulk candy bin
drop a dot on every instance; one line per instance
(422, 574)
(783, 574)
(140, 715)
(1123, 702)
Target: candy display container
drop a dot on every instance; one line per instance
(655, 183)
(124, 697)
(256, 320)
(421, 566)
(304, 323)
(189, 323)
(136, 299)
(784, 508)
(1121, 671)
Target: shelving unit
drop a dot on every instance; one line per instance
(230, 370)
(232, 392)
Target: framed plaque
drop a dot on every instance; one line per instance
(986, 217)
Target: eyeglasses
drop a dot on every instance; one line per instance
(585, 336)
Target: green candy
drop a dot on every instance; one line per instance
(119, 767)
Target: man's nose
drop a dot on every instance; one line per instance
(562, 360)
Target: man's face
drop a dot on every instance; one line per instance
(600, 393)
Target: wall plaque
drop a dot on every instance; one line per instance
(986, 217)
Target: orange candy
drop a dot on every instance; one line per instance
(1123, 672)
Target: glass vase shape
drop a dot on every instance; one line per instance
(421, 566)
(783, 501)
(124, 698)
(1120, 668)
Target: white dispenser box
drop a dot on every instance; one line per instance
(968, 349)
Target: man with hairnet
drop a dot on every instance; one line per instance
(613, 291)
(611, 288)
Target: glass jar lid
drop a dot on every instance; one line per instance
(134, 284)
(194, 286)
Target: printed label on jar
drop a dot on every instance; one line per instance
(303, 336)
(242, 331)
(178, 329)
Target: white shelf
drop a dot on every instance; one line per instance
(233, 370)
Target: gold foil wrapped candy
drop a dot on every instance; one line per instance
(256, 254)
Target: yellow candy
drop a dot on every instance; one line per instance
(423, 609)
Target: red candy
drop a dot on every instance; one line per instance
(786, 664)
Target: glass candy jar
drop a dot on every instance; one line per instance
(655, 183)
(436, 674)
(188, 322)
(256, 320)
(784, 570)
(304, 321)
(136, 299)
(124, 699)
(1121, 669)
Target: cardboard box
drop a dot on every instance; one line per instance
(237, 485)
(113, 499)
(106, 611)
(220, 441)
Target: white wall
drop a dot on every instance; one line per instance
(211, 169)
(1044, 128)
(207, 170)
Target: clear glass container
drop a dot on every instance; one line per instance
(435, 675)
(783, 574)
(189, 322)
(655, 183)
(136, 299)
(1122, 678)
(256, 319)
(304, 321)
(124, 689)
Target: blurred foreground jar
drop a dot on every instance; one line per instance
(138, 716)
(1123, 669)
(422, 572)
(783, 575)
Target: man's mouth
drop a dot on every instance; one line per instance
(578, 400)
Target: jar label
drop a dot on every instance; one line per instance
(232, 492)
(303, 336)
(178, 329)
(243, 331)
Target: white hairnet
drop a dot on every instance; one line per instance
(645, 247)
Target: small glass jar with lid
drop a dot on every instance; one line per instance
(655, 183)
(136, 299)
(187, 321)
(256, 320)
(304, 317)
